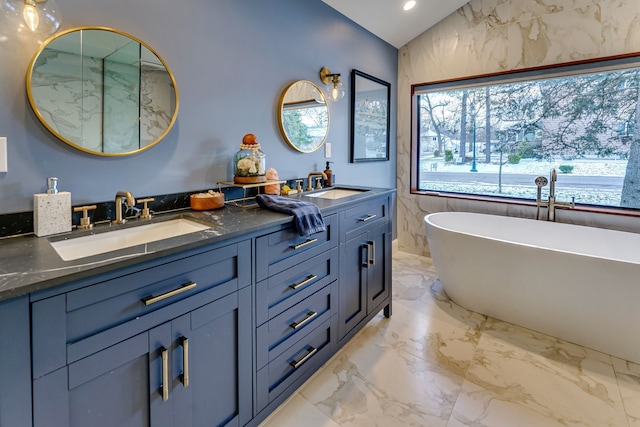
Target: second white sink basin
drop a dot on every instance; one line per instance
(95, 244)
(335, 193)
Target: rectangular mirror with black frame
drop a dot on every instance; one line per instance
(370, 118)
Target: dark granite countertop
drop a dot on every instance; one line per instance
(30, 263)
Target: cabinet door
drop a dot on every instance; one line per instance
(15, 363)
(118, 386)
(352, 293)
(192, 371)
(218, 358)
(378, 269)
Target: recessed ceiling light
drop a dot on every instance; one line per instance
(409, 5)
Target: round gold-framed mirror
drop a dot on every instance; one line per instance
(102, 91)
(303, 116)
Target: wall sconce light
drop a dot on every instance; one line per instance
(39, 17)
(334, 86)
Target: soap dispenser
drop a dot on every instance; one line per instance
(52, 210)
(330, 178)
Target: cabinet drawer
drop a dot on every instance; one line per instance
(70, 326)
(284, 249)
(281, 331)
(364, 216)
(285, 289)
(295, 364)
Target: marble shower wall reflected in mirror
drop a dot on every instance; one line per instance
(102, 91)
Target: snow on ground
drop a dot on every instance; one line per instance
(586, 167)
(581, 167)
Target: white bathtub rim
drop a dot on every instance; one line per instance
(428, 220)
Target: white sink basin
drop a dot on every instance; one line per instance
(335, 193)
(95, 244)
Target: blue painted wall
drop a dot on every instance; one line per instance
(231, 60)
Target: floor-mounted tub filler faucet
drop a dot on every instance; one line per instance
(551, 204)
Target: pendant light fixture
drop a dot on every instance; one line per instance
(37, 17)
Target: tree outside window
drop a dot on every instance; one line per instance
(502, 134)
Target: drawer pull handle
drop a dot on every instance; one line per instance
(310, 315)
(372, 257)
(303, 244)
(184, 288)
(310, 278)
(306, 357)
(367, 218)
(184, 342)
(165, 373)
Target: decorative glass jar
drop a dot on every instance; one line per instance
(249, 163)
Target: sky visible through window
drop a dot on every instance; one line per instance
(494, 139)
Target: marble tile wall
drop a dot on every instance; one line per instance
(72, 108)
(120, 125)
(157, 103)
(487, 36)
(95, 103)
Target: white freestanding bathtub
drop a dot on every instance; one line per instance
(578, 283)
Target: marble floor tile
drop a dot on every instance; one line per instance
(519, 374)
(434, 363)
(371, 385)
(628, 374)
(296, 412)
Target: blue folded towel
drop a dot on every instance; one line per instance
(307, 217)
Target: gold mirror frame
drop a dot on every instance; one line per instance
(299, 98)
(146, 55)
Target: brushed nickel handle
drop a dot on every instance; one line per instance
(372, 258)
(184, 288)
(165, 373)
(368, 256)
(303, 244)
(306, 357)
(367, 218)
(310, 278)
(184, 342)
(310, 315)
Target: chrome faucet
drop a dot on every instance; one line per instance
(128, 202)
(551, 204)
(310, 184)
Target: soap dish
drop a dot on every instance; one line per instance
(206, 201)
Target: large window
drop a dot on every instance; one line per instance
(493, 135)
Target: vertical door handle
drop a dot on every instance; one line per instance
(165, 373)
(184, 342)
(366, 246)
(372, 253)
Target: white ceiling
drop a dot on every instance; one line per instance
(387, 20)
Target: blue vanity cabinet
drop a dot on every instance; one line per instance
(144, 347)
(15, 366)
(365, 265)
(295, 306)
